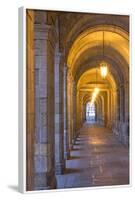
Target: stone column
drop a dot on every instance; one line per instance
(97, 104)
(118, 114)
(126, 96)
(59, 139)
(66, 136)
(74, 110)
(44, 177)
(81, 110)
(113, 107)
(123, 114)
(69, 105)
(101, 111)
(109, 121)
(78, 110)
(115, 112)
(122, 104)
(85, 112)
(105, 108)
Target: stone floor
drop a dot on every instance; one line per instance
(97, 159)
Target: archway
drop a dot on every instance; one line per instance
(83, 60)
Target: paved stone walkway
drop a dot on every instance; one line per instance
(97, 159)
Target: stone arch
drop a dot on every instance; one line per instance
(89, 22)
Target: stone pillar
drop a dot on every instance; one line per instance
(113, 107)
(44, 177)
(118, 115)
(78, 115)
(126, 96)
(74, 111)
(102, 111)
(122, 104)
(95, 112)
(59, 139)
(30, 115)
(105, 108)
(81, 110)
(118, 104)
(85, 112)
(70, 107)
(78, 110)
(124, 114)
(66, 136)
(116, 112)
(99, 109)
(109, 121)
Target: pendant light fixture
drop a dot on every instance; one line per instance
(103, 65)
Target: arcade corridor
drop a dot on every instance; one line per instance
(77, 113)
(97, 159)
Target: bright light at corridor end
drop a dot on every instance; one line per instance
(94, 95)
(103, 69)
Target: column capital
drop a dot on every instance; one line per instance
(45, 31)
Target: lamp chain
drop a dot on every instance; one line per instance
(103, 43)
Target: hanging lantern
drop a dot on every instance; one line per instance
(103, 65)
(103, 69)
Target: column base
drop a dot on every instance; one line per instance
(67, 155)
(44, 181)
(59, 168)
